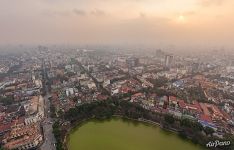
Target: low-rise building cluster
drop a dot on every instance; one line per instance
(22, 106)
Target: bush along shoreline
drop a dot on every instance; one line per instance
(101, 110)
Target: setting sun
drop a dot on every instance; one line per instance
(181, 19)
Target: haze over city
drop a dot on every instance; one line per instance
(182, 23)
(116, 75)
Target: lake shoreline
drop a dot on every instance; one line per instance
(140, 120)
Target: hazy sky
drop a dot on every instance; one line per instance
(147, 22)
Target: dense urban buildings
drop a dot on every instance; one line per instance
(48, 83)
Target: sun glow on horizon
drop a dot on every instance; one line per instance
(181, 19)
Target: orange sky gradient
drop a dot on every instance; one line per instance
(146, 22)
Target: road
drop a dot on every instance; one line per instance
(49, 139)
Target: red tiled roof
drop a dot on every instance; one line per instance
(125, 89)
(102, 97)
(182, 104)
(204, 108)
(172, 98)
(226, 115)
(216, 109)
(205, 118)
(19, 120)
(5, 127)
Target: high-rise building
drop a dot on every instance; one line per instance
(132, 61)
(159, 53)
(168, 60)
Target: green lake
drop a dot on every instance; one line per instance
(122, 134)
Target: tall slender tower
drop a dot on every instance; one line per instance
(168, 60)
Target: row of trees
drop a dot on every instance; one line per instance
(58, 135)
(159, 82)
(6, 100)
(187, 125)
(198, 134)
(104, 110)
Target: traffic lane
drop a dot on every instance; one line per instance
(49, 140)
